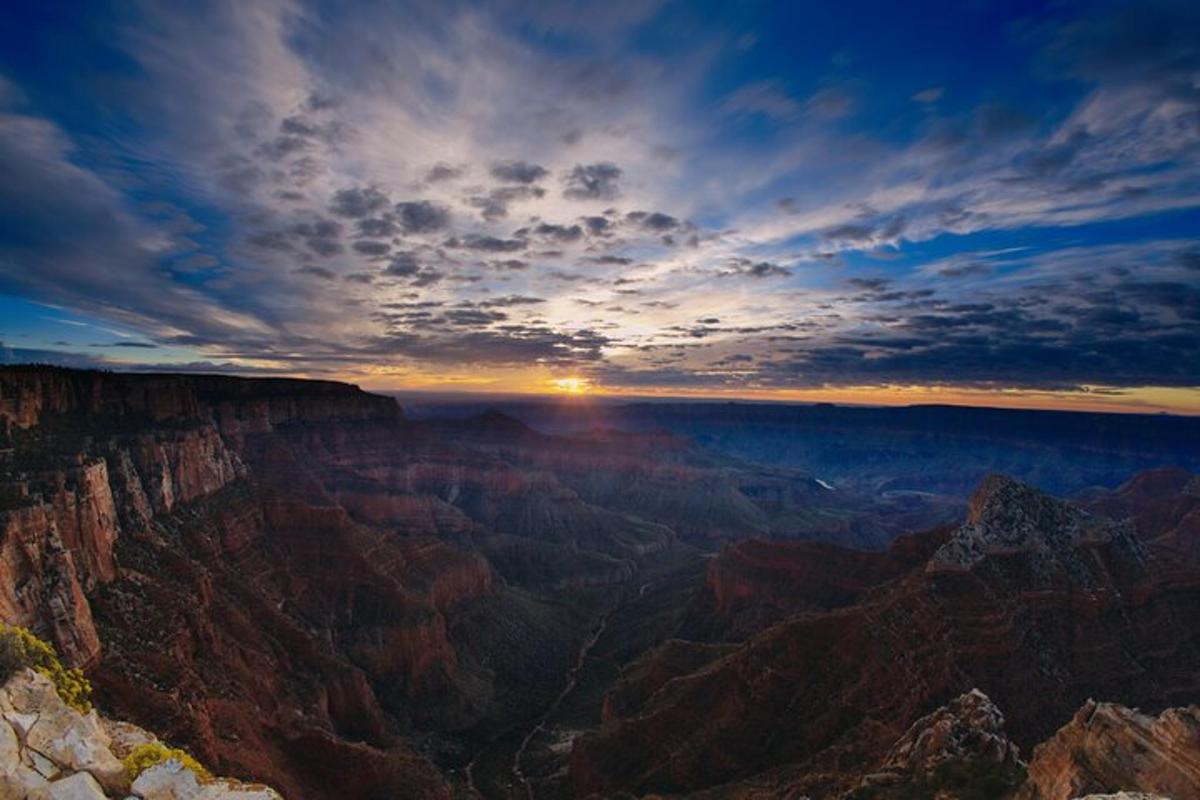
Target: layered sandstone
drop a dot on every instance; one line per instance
(1109, 748)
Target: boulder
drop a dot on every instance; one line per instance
(171, 780)
(80, 786)
(71, 741)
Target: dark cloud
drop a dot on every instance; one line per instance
(850, 232)
(319, 235)
(427, 277)
(318, 272)
(281, 147)
(503, 344)
(657, 223)
(378, 227)
(592, 181)
(867, 230)
(512, 300)
(518, 172)
(870, 284)
(494, 205)
(472, 317)
(488, 244)
(306, 127)
(369, 247)
(971, 270)
(421, 216)
(559, 233)
(610, 259)
(754, 269)
(443, 172)
(597, 226)
(359, 202)
(403, 265)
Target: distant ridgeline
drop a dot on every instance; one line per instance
(945, 449)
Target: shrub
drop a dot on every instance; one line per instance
(20, 649)
(145, 756)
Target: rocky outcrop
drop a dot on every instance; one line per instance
(1110, 748)
(1007, 518)
(50, 751)
(968, 728)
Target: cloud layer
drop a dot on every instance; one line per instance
(505, 189)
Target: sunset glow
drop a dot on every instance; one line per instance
(571, 385)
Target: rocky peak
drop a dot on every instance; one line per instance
(1110, 748)
(966, 732)
(969, 726)
(1007, 517)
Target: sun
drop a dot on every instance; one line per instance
(571, 385)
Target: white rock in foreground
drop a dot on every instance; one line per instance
(50, 751)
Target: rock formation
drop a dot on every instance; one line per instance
(1109, 748)
(50, 751)
(969, 730)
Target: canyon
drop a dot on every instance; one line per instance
(306, 587)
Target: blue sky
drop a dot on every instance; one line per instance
(742, 198)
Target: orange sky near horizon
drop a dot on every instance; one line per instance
(1140, 400)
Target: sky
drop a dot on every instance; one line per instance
(982, 202)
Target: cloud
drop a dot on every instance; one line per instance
(403, 265)
(421, 216)
(487, 244)
(970, 270)
(371, 248)
(592, 182)
(754, 269)
(518, 172)
(559, 233)
(656, 221)
(443, 172)
(929, 95)
(359, 202)
(766, 97)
